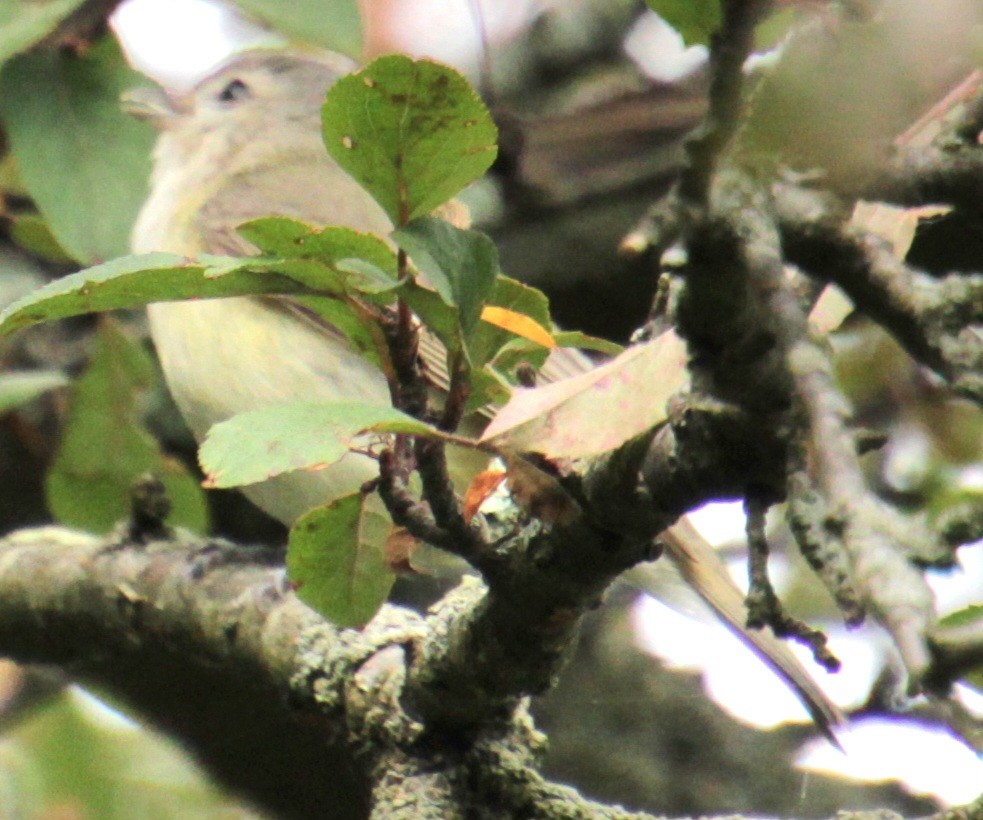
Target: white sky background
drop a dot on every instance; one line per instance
(177, 41)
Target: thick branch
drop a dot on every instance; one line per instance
(933, 175)
(204, 645)
(204, 638)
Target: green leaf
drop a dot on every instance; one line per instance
(489, 339)
(695, 20)
(134, 281)
(336, 560)
(411, 132)
(488, 387)
(260, 444)
(334, 24)
(25, 22)
(435, 313)
(82, 760)
(972, 614)
(968, 615)
(17, 388)
(85, 163)
(32, 233)
(290, 238)
(460, 265)
(583, 341)
(105, 446)
(775, 28)
(368, 279)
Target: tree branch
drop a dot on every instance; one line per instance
(203, 638)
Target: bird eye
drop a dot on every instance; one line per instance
(234, 91)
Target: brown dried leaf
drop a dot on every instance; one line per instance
(482, 486)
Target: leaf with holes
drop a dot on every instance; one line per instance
(411, 132)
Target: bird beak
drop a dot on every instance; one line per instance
(152, 104)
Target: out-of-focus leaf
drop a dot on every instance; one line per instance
(967, 617)
(24, 22)
(105, 447)
(86, 763)
(32, 233)
(334, 24)
(84, 162)
(260, 444)
(629, 393)
(336, 559)
(9, 178)
(868, 362)
(411, 132)
(809, 111)
(775, 28)
(461, 265)
(19, 388)
(695, 20)
(134, 281)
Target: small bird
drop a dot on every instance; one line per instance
(244, 143)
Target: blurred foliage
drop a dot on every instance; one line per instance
(31, 232)
(24, 22)
(105, 445)
(333, 24)
(75, 759)
(972, 614)
(695, 20)
(842, 90)
(84, 162)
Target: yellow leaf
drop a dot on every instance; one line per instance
(517, 323)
